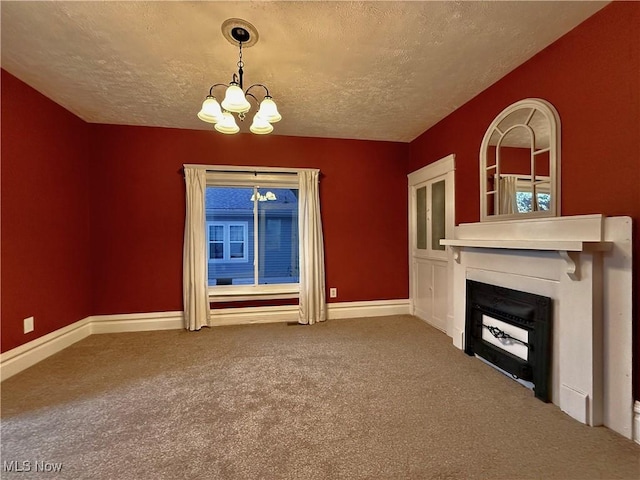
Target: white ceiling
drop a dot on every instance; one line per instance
(363, 70)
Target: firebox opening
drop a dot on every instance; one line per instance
(511, 330)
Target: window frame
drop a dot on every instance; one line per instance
(277, 178)
(524, 185)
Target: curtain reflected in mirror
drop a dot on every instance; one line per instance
(508, 194)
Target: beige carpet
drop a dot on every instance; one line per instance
(384, 398)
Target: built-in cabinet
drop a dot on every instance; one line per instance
(431, 213)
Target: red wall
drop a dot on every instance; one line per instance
(45, 214)
(93, 215)
(592, 77)
(138, 210)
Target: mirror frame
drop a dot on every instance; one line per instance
(553, 119)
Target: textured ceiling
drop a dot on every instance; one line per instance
(364, 70)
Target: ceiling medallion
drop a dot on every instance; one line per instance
(236, 30)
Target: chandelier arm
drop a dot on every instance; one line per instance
(216, 85)
(257, 85)
(251, 95)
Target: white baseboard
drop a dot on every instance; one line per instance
(289, 313)
(458, 338)
(136, 322)
(24, 356)
(374, 308)
(636, 421)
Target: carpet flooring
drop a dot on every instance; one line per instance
(370, 398)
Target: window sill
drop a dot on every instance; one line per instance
(234, 293)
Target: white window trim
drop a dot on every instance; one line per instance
(232, 293)
(258, 177)
(252, 170)
(523, 182)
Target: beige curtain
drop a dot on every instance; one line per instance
(312, 284)
(194, 263)
(508, 201)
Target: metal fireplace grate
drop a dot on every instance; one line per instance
(512, 330)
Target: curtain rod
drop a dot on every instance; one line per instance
(244, 169)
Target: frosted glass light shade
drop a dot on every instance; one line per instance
(211, 111)
(269, 110)
(234, 100)
(263, 198)
(260, 126)
(228, 124)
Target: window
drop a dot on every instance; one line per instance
(227, 241)
(252, 234)
(524, 201)
(524, 196)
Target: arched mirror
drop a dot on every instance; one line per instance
(520, 163)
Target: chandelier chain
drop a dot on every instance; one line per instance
(240, 62)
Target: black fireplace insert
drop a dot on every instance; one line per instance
(493, 314)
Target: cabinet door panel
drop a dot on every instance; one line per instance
(423, 300)
(439, 287)
(437, 215)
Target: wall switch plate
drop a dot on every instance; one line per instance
(333, 292)
(29, 324)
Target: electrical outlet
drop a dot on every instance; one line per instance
(333, 292)
(28, 324)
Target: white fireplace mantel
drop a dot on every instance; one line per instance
(575, 234)
(559, 245)
(567, 249)
(583, 263)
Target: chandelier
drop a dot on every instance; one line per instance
(263, 197)
(236, 99)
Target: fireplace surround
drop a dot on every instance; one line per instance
(583, 264)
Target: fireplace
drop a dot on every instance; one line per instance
(511, 329)
(583, 264)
